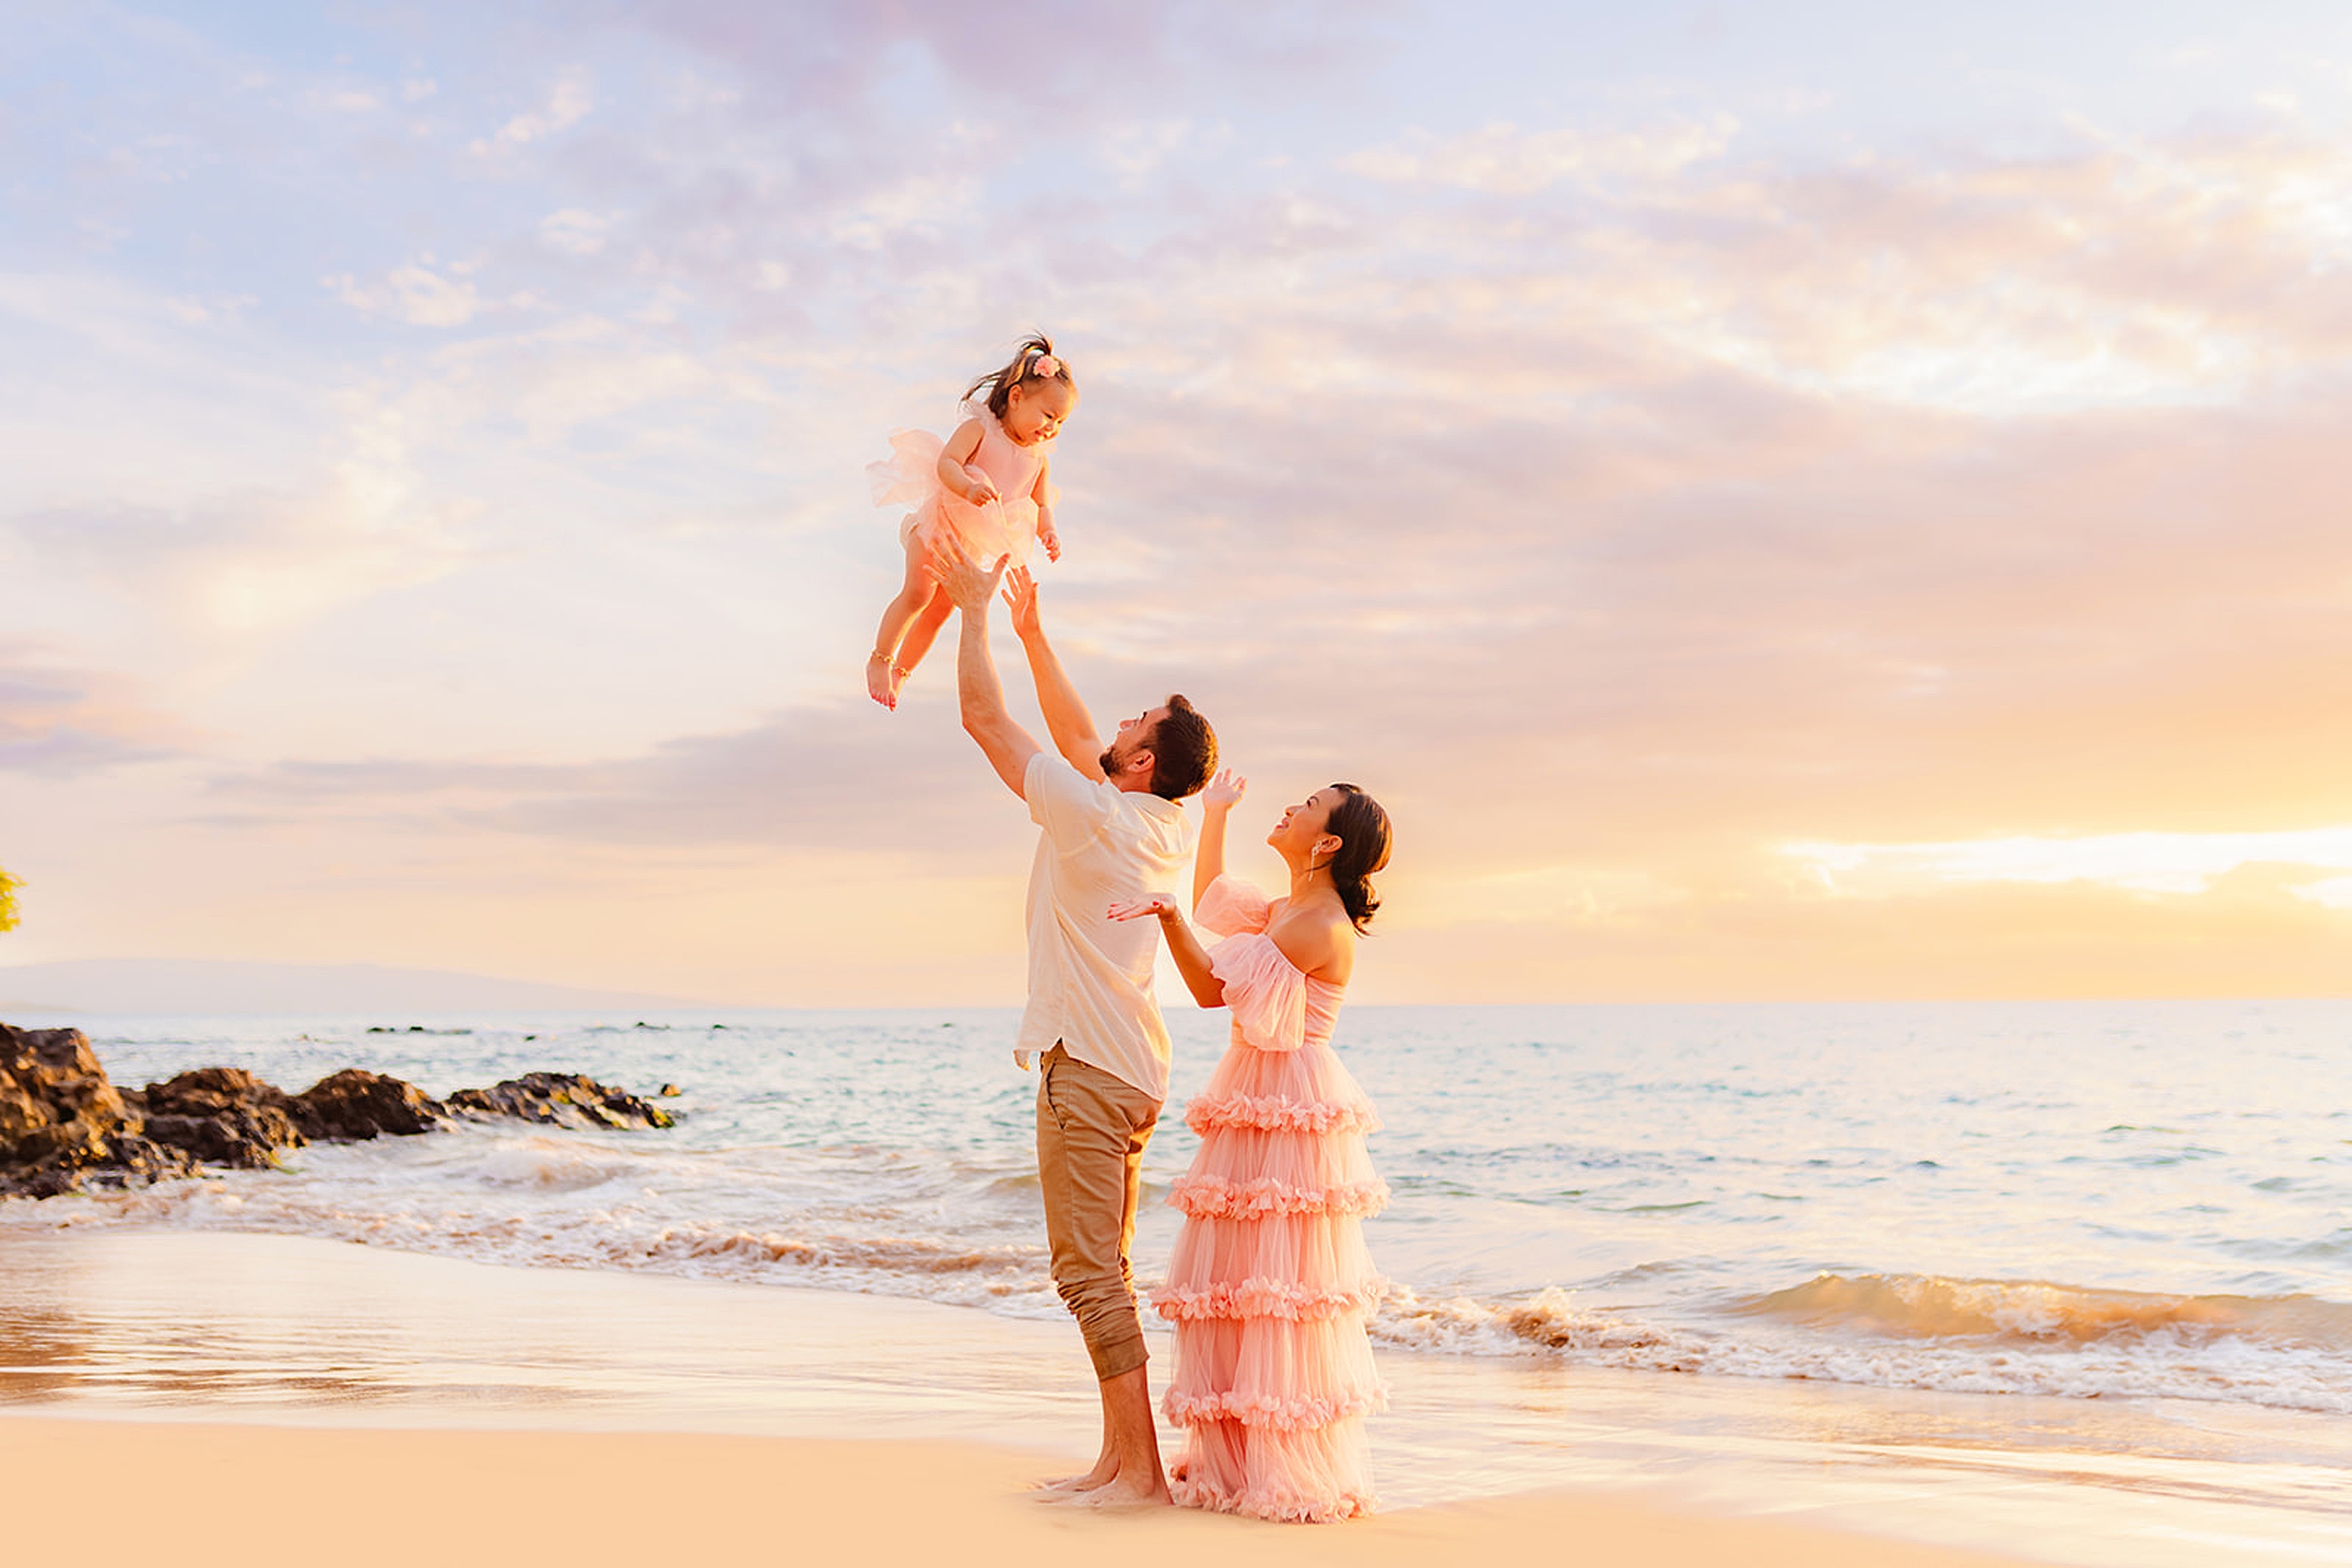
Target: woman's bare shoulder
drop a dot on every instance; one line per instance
(1319, 942)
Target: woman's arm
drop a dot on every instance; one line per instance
(1217, 803)
(952, 458)
(1192, 960)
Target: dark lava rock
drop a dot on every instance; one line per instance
(136, 1159)
(54, 1096)
(63, 1125)
(356, 1103)
(561, 1100)
(223, 1115)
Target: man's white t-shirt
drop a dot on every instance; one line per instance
(1090, 975)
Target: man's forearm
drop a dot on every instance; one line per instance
(980, 694)
(1066, 717)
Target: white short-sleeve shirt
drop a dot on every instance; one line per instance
(1090, 975)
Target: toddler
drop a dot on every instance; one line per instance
(988, 481)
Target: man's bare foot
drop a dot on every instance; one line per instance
(1118, 1494)
(882, 680)
(1063, 1485)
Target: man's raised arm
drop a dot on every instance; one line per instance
(1066, 717)
(979, 694)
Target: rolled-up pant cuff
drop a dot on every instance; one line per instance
(1119, 1356)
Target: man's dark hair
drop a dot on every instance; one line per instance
(1184, 750)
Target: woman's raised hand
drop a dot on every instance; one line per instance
(1158, 904)
(1226, 790)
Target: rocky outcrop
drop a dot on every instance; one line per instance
(62, 1122)
(356, 1103)
(64, 1127)
(223, 1115)
(561, 1100)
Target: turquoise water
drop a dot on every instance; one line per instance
(2078, 1201)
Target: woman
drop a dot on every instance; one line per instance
(1270, 1283)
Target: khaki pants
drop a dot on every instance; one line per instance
(1091, 1129)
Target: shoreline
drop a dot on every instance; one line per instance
(190, 1331)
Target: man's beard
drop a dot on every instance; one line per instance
(1107, 762)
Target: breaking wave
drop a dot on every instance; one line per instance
(1949, 1336)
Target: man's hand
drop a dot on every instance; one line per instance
(967, 584)
(1021, 598)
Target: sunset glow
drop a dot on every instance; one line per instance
(1775, 513)
(2146, 863)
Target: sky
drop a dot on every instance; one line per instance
(1781, 501)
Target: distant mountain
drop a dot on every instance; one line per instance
(30, 992)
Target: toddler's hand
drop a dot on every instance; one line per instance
(1226, 789)
(1159, 903)
(1052, 541)
(981, 490)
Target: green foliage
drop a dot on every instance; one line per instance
(8, 901)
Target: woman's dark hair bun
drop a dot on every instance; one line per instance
(1365, 838)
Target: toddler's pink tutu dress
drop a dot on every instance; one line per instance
(910, 476)
(1270, 1284)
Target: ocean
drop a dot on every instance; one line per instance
(2078, 1200)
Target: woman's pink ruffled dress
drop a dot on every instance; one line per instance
(910, 477)
(1271, 1284)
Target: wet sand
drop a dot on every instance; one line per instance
(359, 1373)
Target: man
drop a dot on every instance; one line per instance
(1112, 832)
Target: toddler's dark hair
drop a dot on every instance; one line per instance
(1021, 370)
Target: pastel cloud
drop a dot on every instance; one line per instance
(2145, 862)
(802, 781)
(1624, 498)
(1503, 160)
(254, 562)
(63, 722)
(568, 102)
(416, 294)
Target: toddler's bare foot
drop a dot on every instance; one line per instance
(882, 680)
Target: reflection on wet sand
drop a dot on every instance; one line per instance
(179, 1325)
(131, 1320)
(40, 1350)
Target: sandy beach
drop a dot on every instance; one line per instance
(522, 1411)
(609, 1498)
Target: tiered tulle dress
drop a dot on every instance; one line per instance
(910, 477)
(1270, 1283)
